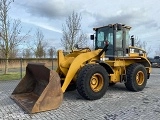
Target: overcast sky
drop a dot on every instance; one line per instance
(49, 15)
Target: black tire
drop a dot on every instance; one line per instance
(92, 81)
(136, 77)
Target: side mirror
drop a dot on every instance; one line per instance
(92, 37)
(132, 40)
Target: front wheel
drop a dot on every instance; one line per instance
(136, 77)
(92, 81)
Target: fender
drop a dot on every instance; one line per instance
(106, 66)
(145, 62)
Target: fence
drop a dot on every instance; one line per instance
(17, 67)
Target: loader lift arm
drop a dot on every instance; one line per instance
(78, 62)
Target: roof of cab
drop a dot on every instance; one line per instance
(111, 25)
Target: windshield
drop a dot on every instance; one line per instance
(102, 35)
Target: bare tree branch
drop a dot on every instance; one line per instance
(39, 51)
(27, 53)
(157, 52)
(71, 29)
(9, 33)
(143, 45)
(52, 52)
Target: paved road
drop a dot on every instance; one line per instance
(117, 104)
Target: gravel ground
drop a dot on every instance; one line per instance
(117, 104)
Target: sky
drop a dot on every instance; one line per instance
(49, 15)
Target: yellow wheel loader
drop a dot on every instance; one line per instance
(115, 59)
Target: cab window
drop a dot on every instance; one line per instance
(119, 39)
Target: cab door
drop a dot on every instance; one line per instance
(120, 43)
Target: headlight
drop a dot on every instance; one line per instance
(102, 59)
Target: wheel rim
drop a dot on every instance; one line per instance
(140, 78)
(96, 82)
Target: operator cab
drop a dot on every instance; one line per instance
(117, 36)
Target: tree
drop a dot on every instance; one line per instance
(52, 52)
(27, 53)
(143, 45)
(9, 32)
(40, 44)
(157, 52)
(72, 32)
(82, 40)
(13, 52)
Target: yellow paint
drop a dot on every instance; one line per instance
(70, 64)
(73, 64)
(96, 82)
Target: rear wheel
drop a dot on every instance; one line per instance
(136, 77)
(92, 81)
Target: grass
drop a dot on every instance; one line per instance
(14, 73)
(11, 76)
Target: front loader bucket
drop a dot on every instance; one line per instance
(39, 90)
